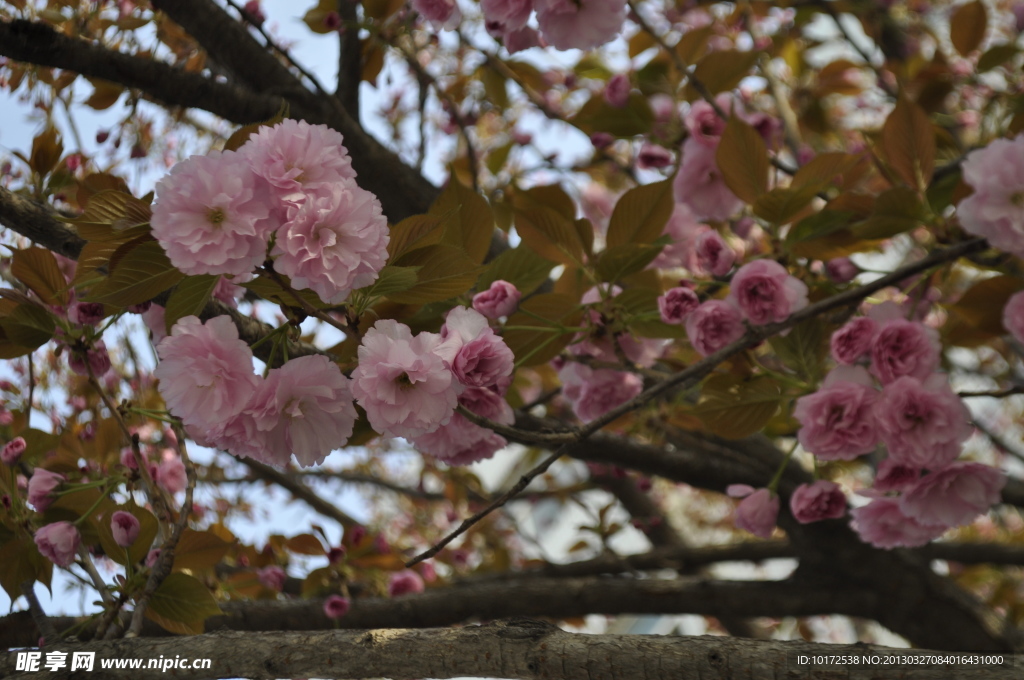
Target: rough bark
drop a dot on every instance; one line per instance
(507, 649)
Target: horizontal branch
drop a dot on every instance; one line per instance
(504, 649)
(402, 190)
(557, 598)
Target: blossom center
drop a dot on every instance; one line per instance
(216, 216)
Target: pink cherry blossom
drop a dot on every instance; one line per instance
(683, 230)
(838, 421)
(155, 320)
(817, 501)
(442, 14)
(893, 476)
(616, 92)
(996, 210)
(205, 373)
(211, 215)
(335, 242)
(1013, 316)
(95, 359)
(582, 24)
(853, 340)
(501, 299)
(676, 304)
(404, 387)
(700, 186)
(953, 495)
(653, 156)
(58, 542)
(757, 512)
(294, 155)
(304, 407)
(703, 122)
(713, 325)
(841, 270)
(902, 348)
(461, 442)
(12, 451)
(503, 16)
(336, 606)
(521, 39)
(923, 424)
(41, 488)
(171, 475)
(404, 583)
(272, 577)
(85, 313)
(713, 254)
(125, 528)
(227, 291)
(766, 292)
(594, 392)
(475, 354)
(882, 524)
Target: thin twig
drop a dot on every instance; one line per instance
(523, 482)
(42, 621)
(97, 580)
(999, 394)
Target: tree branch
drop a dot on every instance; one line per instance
(505, 649)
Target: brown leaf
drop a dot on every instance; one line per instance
(967, 26)
(908, 143)
(743, 159)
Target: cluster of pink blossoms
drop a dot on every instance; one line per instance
(920, 490)
(293, 185)
(761, 292)
(996, 208)
(564, 24)
(207, 379)
(699, 182)
(410, 385)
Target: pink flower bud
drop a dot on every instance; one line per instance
(272, 577)
(757, 512)
(125, 527)
(336, 606)
(58, 542)
(404, 582)
(12, 451)
(817, 501)
(501, 299)
(152, 557)
(841, 270)
(652, 156)
(616, 92)
(42, 486)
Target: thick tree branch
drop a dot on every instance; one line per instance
(402, 191)
(39, 222)
(506, 649)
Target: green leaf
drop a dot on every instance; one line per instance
(532, 347)
(997, 55)
(780, 205)
(640, 214)
(550, 234)
(20, 561)
(896, 211)
(722, 70)
(181, 604)
(552, 196)
(908, 143)
(734, 408)
(269, 289)
(444, 272)
(137, 552)
(743, 160)
(28, 326)
(967, 26)
(392, 279)
(199, 550)
(523, 268)
(109, 214)
(597, 115)
(804, 349)
(189, 298)
(142, 274)
(621, 261)
(467, 219)
(641, 313)
(37, 268)
(417, 231)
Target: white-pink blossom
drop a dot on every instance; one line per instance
(922, 423)
(700, 186)
(580, 24)
(996, 208)
(713, 325)
(882, 524)
(838, 421)
(475, 354)
(205, 373)
(503, 16)
(212, 215)
(953, 495)
(442, 14)
(335, 242)
(766, 292)
(402, 384)
(594, 392)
